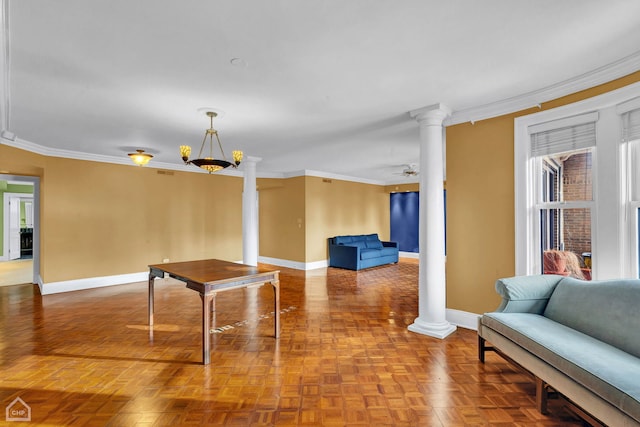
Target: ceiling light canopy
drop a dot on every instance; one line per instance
(140, 158)
(209, 163)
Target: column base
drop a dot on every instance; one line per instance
(438, 330)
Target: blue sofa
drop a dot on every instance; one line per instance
(580, 338)
(361, 251)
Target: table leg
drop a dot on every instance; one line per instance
(276, 317)
(151, 281)
(208, 302)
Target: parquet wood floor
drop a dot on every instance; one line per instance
(344, 358)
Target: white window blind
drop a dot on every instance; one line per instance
(631, 125)
(559, 136)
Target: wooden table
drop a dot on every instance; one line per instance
(210, 276)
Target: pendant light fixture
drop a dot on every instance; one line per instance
(209, 162)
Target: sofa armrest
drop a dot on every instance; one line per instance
(526, 294)
(344, 256)
(390, 244)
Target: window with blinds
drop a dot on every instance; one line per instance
(565, 146)
(577, 186)
(565, 135)
(631, 141)
(563, 150)
(630, 115)
(631, 125)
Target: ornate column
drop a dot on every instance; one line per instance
(432, 302)
(250, 212)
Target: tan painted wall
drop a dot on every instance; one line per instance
(335, 207)
(480, 204)
(100, 219)
(281, 207)
(19, 162)
(480, 214)
(297, 215)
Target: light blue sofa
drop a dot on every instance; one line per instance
(356, 252)
(580, 338)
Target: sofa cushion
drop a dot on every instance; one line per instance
(609, 372)
(388, 251)
(526, 293)
(377, 253)
(370, 253)
(374, 244)
(606, 310)
(526, 287)
(342, 240)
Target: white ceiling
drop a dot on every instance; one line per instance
(321, 85)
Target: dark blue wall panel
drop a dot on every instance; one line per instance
(405, 211)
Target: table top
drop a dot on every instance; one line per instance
(209, 271)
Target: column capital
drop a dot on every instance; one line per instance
(432, 114)
(251, 159)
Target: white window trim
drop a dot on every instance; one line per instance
(625, 107)
(631, 244)
(629, 216)
(526, 257)
(576, 120)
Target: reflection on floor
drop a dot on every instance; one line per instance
(16, 272)
(344, 358)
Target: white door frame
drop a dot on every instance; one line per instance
(7, 220)
(36, 220)
(11, 234)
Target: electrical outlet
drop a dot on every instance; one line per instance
(166, 260)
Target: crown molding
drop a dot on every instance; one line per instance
(615, 70)
(328, 175)
(605, 74)
(78, 155)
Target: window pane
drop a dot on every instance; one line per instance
(567, 177)
(550, 180)
(565, 237)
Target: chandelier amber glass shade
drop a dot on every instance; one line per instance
(185, 152)
(237, 156)
(209, 162)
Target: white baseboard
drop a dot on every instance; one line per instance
(459, 318)
(414, 255)
(463, 319)
(121, 279)
(90, 283)
(293, 264)
(315, 264)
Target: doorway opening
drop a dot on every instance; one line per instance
(19, 232)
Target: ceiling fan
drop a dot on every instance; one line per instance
(409, 170)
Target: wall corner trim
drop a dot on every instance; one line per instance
(463, 319)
